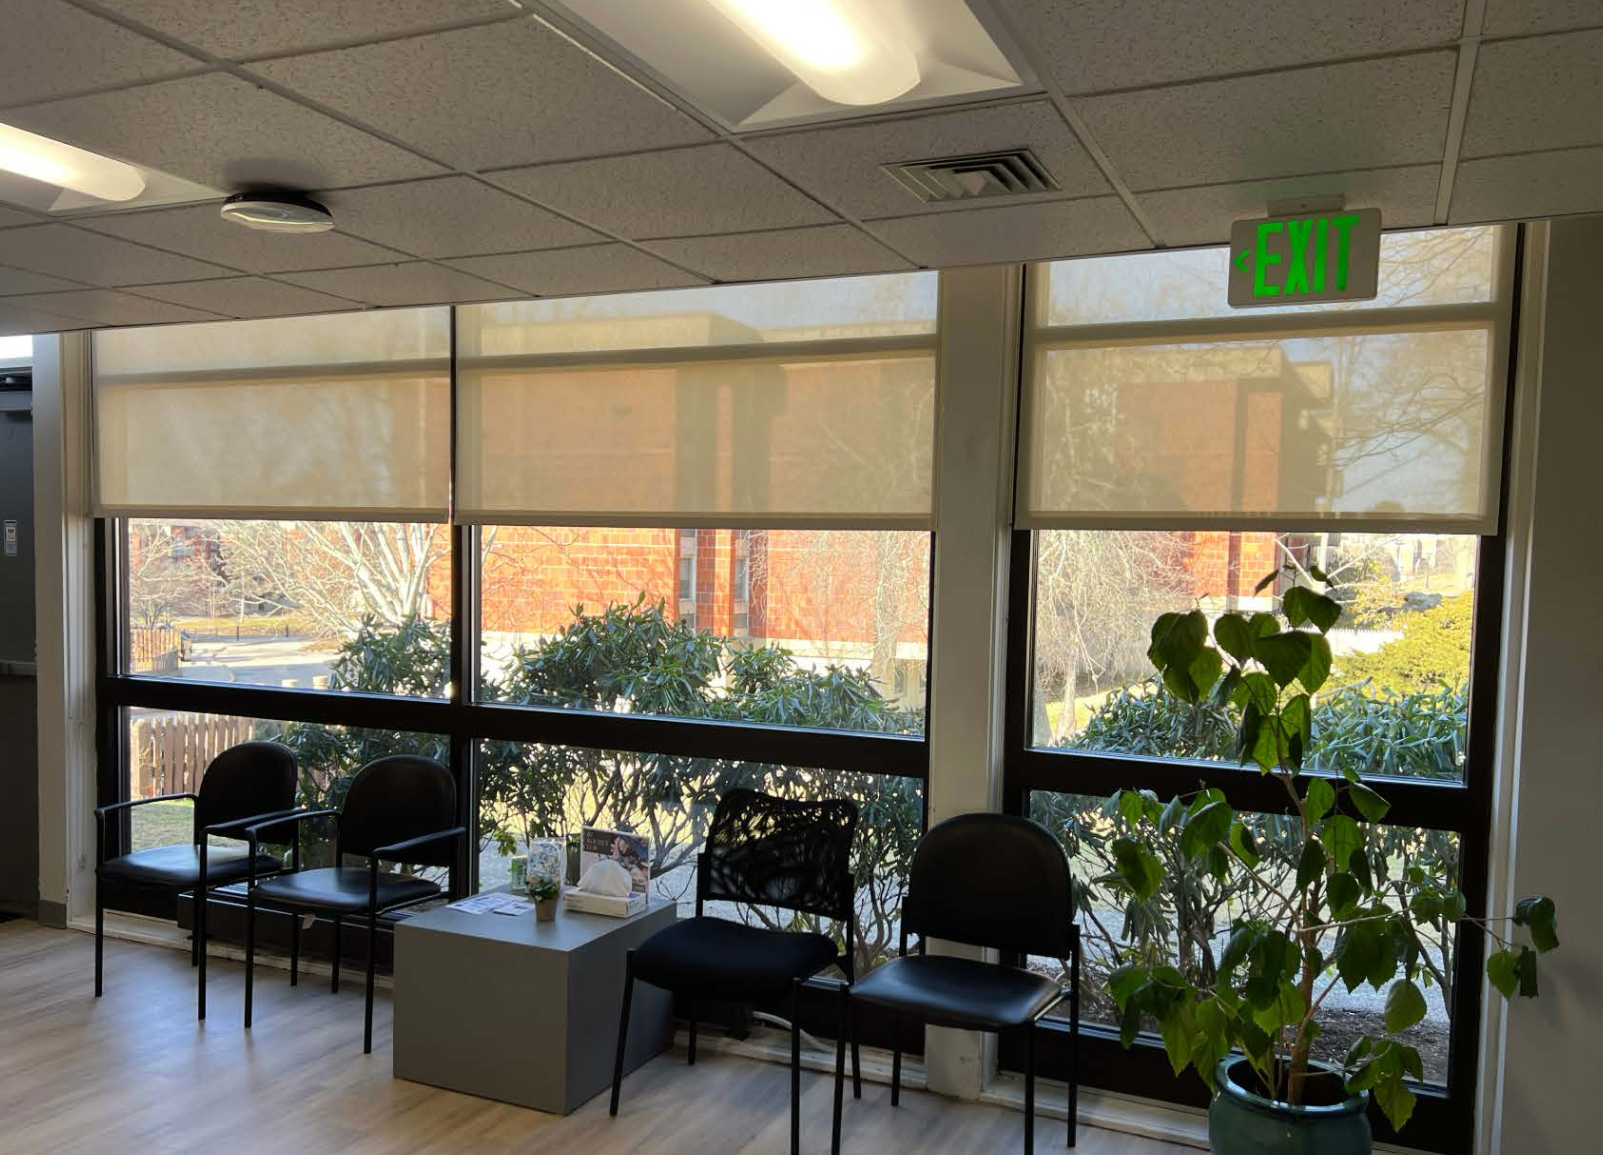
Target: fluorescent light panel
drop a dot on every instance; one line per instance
(52, 162)
(835, 47)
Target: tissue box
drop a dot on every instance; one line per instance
(615, 906)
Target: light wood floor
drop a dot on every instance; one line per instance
(134, 1072)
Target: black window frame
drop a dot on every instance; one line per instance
(1444, 1118)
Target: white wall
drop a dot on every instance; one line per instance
(1552, 1064)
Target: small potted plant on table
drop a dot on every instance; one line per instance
(1334, 918)
(544, 890)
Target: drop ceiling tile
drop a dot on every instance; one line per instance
(1521, 17)
(489, 97)
(50, 49)
(1367, 114)
(451, 217)
(247, 297)
(15, 281)
(109, 307)
(1406, 198)
(1536, 184)
(569, 272)
(106, 262)
(225, 133)
(21, 322)
(243, 28)
(821, 251)
(200, 231)
(411, 283)
(1028, 232)
(11, 218)
(1536, 94)
(712, 188)
(1093, 45)
(841, 165)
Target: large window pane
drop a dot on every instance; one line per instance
(822, 628)
(1397, 699)
(539, 791)
(361, 606)
(1191, 934)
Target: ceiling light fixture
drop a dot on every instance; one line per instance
(277, 212)
(837, 48)
(51, 162)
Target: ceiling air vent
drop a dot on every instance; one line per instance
(1010, 172)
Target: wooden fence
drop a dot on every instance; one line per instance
(171, 751)
(154, 649)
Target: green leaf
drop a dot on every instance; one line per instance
(1205, 827)
(1357, 952)
(1405, 1006)
(1395, 1100)
(1296, 719)
(1176, 1030)
(1243, 843)
(1358, 1050)
(1283, 655)
(1343, 893)
(1125, 981)
(1343, 839)
(1132, 806)
(1130, 1023)
(1527, 972)
(1540, 916)
(1370, 804)
(1292, 604)
(1260, 691)
(1234, 636)
(1204, 671)
(1239, 945)
(1138, 868)
(1324, 611)
(1502, 970)
(1321, 796)
(1316, 667)
(1312, 864)
(1426, 905)
(1453, 906)
(1171, 814)
(1265, 581)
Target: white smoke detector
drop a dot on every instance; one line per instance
(277, 212)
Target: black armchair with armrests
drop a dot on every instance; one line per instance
(987, 880)
(244, 785)
(401, 809)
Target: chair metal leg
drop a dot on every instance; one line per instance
(294, 948)
(194, 933)
(372, 960)
(200, 938)
(841, 1032)
(100, 940)
(857, 1069)
(1029, 1089)
(334, 966)
(692, 1044)
(250, 951)
(795, 1067)
(896, 1062)
(623, 1029)
(1074, 1055)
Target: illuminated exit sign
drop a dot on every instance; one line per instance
(1304, 260)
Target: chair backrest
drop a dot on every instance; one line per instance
(245, 780)
(395, 798)
(784, 852)
(991, 880)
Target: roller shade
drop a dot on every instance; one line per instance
(690, 420)
(1386, 418)
(341, 417)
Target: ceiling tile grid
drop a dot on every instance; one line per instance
(1522, 17)
(571, 272)
(109, 307)
(50, 49)
(200, 231)
(16, 322)
(17, 281)
(1017, 232)
(489, 97)
(409, 283)
(1536, 184)
(247, 297)
(64, 251)
(453, 216)
(1510, 111)
(785, 254)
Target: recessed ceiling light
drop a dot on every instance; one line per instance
(54, 163)
(277, 212)
(837, 48)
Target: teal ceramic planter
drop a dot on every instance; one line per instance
(1242, 1122)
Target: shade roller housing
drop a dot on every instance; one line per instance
(1146, 408)
(691, 418)
(345, 417)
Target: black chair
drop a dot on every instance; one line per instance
(401, 808)
(764, 851)
(989, 880)
(243, 785)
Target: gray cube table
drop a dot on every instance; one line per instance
(522, 1011)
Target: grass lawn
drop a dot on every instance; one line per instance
(162, 824)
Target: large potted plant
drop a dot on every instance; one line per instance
(1330, 915)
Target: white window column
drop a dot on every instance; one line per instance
(977, 387)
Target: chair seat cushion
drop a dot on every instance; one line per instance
(729, 960)
(343, 889)
(958, 992)
(179, 866)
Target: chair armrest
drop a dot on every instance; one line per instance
(102, 811)
(387, 853)
(221, 829)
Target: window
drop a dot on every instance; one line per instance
(1171, 455)
(362, 606)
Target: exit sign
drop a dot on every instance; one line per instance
(1305, 260)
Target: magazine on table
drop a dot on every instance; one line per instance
(629, 850)
(614, 873)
